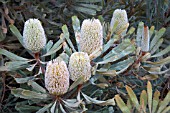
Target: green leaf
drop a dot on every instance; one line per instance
(24, 80)
(45, 108)
(121, 104)
(76, 24)
(110, 43)
(26, 108)
(133, 97)
(157, 45)
(119, 52)
(143, 100)
(139, 34)
(14, 65)
(122, 64)
(16, 32)
(80, 80)
(162, 52)
(164, 103)
(2, 35)
(53, 108)
(27, 94)
(166, 110)
(85, 10)
(10, 55)
(157, 36)
(149, 92)
(151, 31)
(89, 1)
(161, 62)
(102, 103)
(62, 109)
(57, 46)
(36, 86)
(155, 101)
(66, 35)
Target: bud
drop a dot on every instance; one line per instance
(33, 35)
(120, 18)
(91, 36)
(57, 77)
(79, 65)
(145, 39)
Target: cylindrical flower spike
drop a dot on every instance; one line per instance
(91, 36)
(145, 39)
(34, 38)
(120, 20)
(57, 77)
(79, 65)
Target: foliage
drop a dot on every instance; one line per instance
(121, 62)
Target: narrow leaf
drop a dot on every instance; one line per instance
(121, 104)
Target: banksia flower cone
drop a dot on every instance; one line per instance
(145, 39)
(120, 18)
(79, 65)
(33, 35)
(91, 36)
(57, 77)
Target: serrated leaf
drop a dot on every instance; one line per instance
(149, 92)
(121, 104)
(132, 97)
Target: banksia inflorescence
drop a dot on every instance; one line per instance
(91, 36)
(79, 65)
(57, 77)
(121, 20)
(34, 38)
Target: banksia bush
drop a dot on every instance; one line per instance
(57, 77)
(119, 19)
(34, 37)
(79, 66)
(91, 36)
